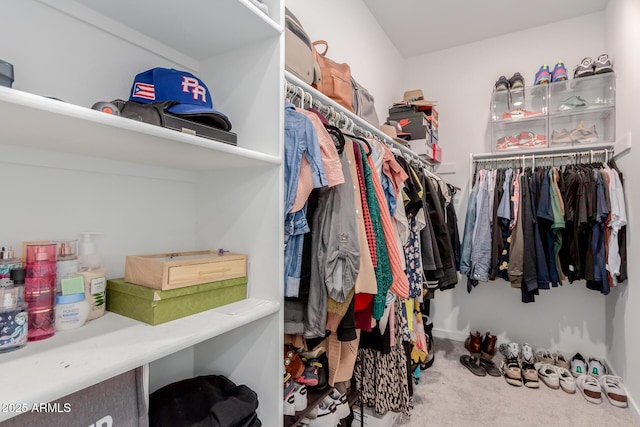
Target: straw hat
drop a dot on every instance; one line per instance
(415, 97)
(394, 130)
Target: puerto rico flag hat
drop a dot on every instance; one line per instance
(190, 94)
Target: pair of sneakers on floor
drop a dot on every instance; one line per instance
(553, 370)
(592, 379)
(518, 366)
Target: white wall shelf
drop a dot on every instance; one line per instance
(109, 346)
(80, 130)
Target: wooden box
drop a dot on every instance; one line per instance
(180, 269)
(154, 306)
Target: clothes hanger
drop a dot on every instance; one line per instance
(362, 140)
(337, 136)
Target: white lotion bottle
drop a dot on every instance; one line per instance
(94, 275)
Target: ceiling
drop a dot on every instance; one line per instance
(420, 26)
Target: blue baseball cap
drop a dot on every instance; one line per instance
(192, 100)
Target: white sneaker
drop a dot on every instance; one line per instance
(300, 394)
(341, 403)
(289, 404)
(590, 388)
(559, 359)
(567, 382)
(325, 416)
(614, 390)
(548, 374)
(578, 365)
(596, 367)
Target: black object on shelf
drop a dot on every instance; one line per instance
(6, 73)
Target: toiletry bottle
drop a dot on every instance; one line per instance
(8, 261)
(95, 277)
(13, 317)
(40, 290)
(66, 260)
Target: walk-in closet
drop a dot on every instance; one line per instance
(319, 213)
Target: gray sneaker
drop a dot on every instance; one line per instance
(584, 68)
(602, 64)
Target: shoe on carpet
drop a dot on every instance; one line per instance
(578, 365)
(490, 367)
(489, 345)
(509, 350)
(567, 382)
(473, 343)
(527, 367)
(560, 360)
(559, 72)
(516, 81)
(614, 390)
(502, 84)
(543, 75)
(596, 367)
(544, 356)
(473, 364)
(602, 64)
(548, 374)
(590, 388)
(509, 365)
(584, 68)
(511, 371)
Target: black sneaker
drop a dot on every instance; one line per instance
(502, 84)
(602, 65)
(516, 81)
(584, 68)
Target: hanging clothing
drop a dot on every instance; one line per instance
(383, 272)
(300, 141)
(400, 284)
(380, 377)
(337, 252)
(330, 163)
(559, 225)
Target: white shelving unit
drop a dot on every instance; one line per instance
(552, 111)
(147, 189)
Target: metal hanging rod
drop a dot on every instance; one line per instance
(569, 155)
(344, 119)
(579, 155)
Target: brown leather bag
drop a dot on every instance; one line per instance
(335, 78)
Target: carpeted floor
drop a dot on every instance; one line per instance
(450, 396)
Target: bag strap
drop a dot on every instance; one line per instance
(321, 42)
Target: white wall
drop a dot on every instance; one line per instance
(570, 318)
(621, 36)
(355, 37)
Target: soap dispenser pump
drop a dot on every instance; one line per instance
(94, 275)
